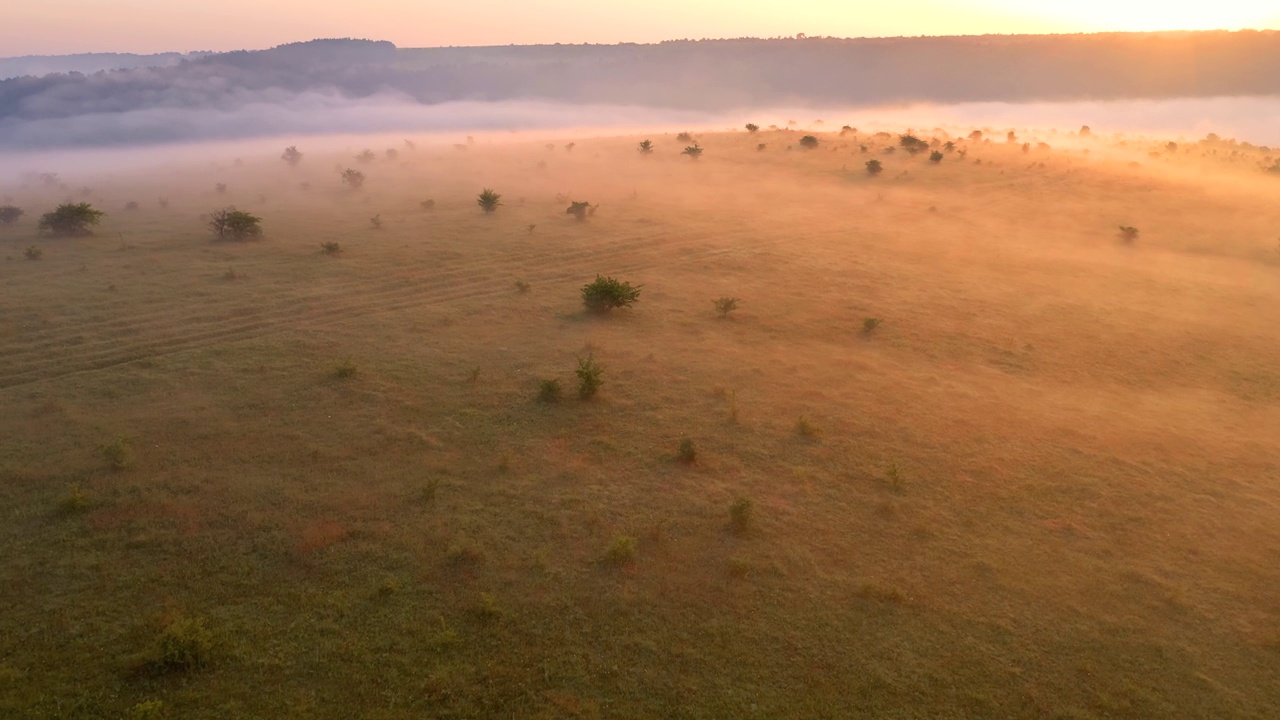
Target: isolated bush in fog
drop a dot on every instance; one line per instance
(874, 167)
(694, 151)
(488, 200)
(366, 156)
(605, 293)
(935, 157)
(9, 214)
(684, 137)
(71, 219)
(291, 156)
(589, 374)
(809, 141)
(1128, 233)
(580, 210)
(232, 224)
(753, 128)
(912, 144)
(725, 305)
(646, 147)
(353, 178)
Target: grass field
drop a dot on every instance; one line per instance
(1046, 485)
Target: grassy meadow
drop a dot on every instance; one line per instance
(259, 480)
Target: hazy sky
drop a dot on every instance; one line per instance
(69, 26)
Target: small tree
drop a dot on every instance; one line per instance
(874, 167)
(935, 157)
(809, 142)
(70, 219)
(366, 156)
(232, 224)
(949, 146)
(646, 147)
(605, 293)
(725, 305)
(353, 178)
(1128, 233)
(579, 210)
(9, 214)
(488, 200)
(684, 137)
(753, 128)
(694, 151)
(589, 374)
(292, 156)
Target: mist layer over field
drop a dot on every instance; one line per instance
(988, 433)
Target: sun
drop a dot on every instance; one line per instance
(1125, 16)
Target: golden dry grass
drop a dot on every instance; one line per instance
(1083, 522)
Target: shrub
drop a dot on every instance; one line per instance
(391, 153)
(809, 142)
(331, 248)
(184, 645)
(725, 305)
(9, 214)
(353, 178)
(874, 167)
(806, 429)
(949, 146)
(427, 204)
(232, 224)
(622, 551)
(646, 147)
(741, 516)
(488, 200)
(345, 369)
(74, 501)
(605, 293)
(694, 151)
(1128, 233)
(522, 286)
(935, 157)
(894, 476)
(688, 453)
(753, 128)
(32, 253)
(220, 188)
(684, 137)
(376, 222)
(291, 156)
(366, 156)
(549, 391)
(118, 453)
(589, 374)
(71, 219)
(579, 210)
(870, 324)
(761, 147)
(131, 206)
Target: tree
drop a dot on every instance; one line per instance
(646, 147)
(935, 157)
(292, 156)
(694, 151)
(1128, 233)
(605, 293)
(874, 167)
(912, 144)
(725, 305)
(589, 381)
(366, 156)
(949, 146)
(753, 128)
(684, 137)
(353, 178)
(809, 142)
(70, 219)
(488, 200)
(232, 224)
(9, 214)
(580, 210)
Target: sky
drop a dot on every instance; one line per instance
(53, 27)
